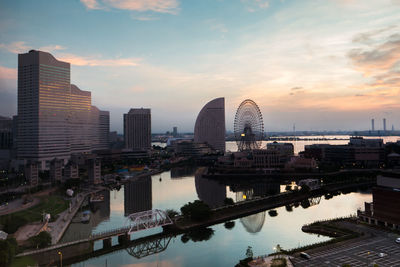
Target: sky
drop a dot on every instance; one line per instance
(320, 64)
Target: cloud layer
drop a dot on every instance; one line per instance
(159, 6)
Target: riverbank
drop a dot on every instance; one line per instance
(254, 174)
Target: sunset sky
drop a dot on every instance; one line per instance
(323, 65)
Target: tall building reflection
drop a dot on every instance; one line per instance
(254, 223)
(183, 172)
(209, 191)
(100, 209)
(137, 195)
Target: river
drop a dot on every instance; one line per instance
(222, 246)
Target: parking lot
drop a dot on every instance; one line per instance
(356, 253)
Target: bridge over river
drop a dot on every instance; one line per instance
(139, 248)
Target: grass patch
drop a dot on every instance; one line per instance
(48, 204)
(23, 261)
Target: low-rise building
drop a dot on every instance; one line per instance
(300, 163)
(285, 151)
(71, 170)
(266, 159)
(385, 207)
(358, 152)
(94, 170)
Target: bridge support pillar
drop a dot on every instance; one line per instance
(107, 243)
(122, 239)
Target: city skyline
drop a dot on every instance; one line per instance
(325, 65)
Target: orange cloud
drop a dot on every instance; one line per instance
(90, 61)
(160, 6)
(8, 73)
(15, 47)
(21, 47)
(91, 4)
(378, 59)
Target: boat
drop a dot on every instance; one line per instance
(85, 218)
(96, 198)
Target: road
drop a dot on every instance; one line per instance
(361, 252)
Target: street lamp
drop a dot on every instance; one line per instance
(59, 253)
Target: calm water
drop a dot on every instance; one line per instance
(225, 247)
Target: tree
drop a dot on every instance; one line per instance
(229, 225)
(228, 201)
(8, 249)
(42, 240)
(202, 234)
(197, 211)
(171, 213)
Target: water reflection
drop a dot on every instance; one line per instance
(137, 195)
(253, 223)
(100, 208)
(198, 235)
(149, 247)
(209, 191)
(183, 172)
(245, 190)
(227, 238)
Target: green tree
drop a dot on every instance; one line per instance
(229, 225)
(8, 249)
(42, 240)
(171, 213)
(197, 211)
(228, 201)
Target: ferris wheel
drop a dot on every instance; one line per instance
(248, 126)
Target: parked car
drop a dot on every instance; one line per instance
(305, 255)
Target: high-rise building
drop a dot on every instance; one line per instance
(210, 125)
(384, 125)
(43, 107)
(6, 133)
(373, 124)
(79, 120)
(55, 117)
(175, 131)
(104, 129)
(137, 129)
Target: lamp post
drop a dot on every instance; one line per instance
(59, 253)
